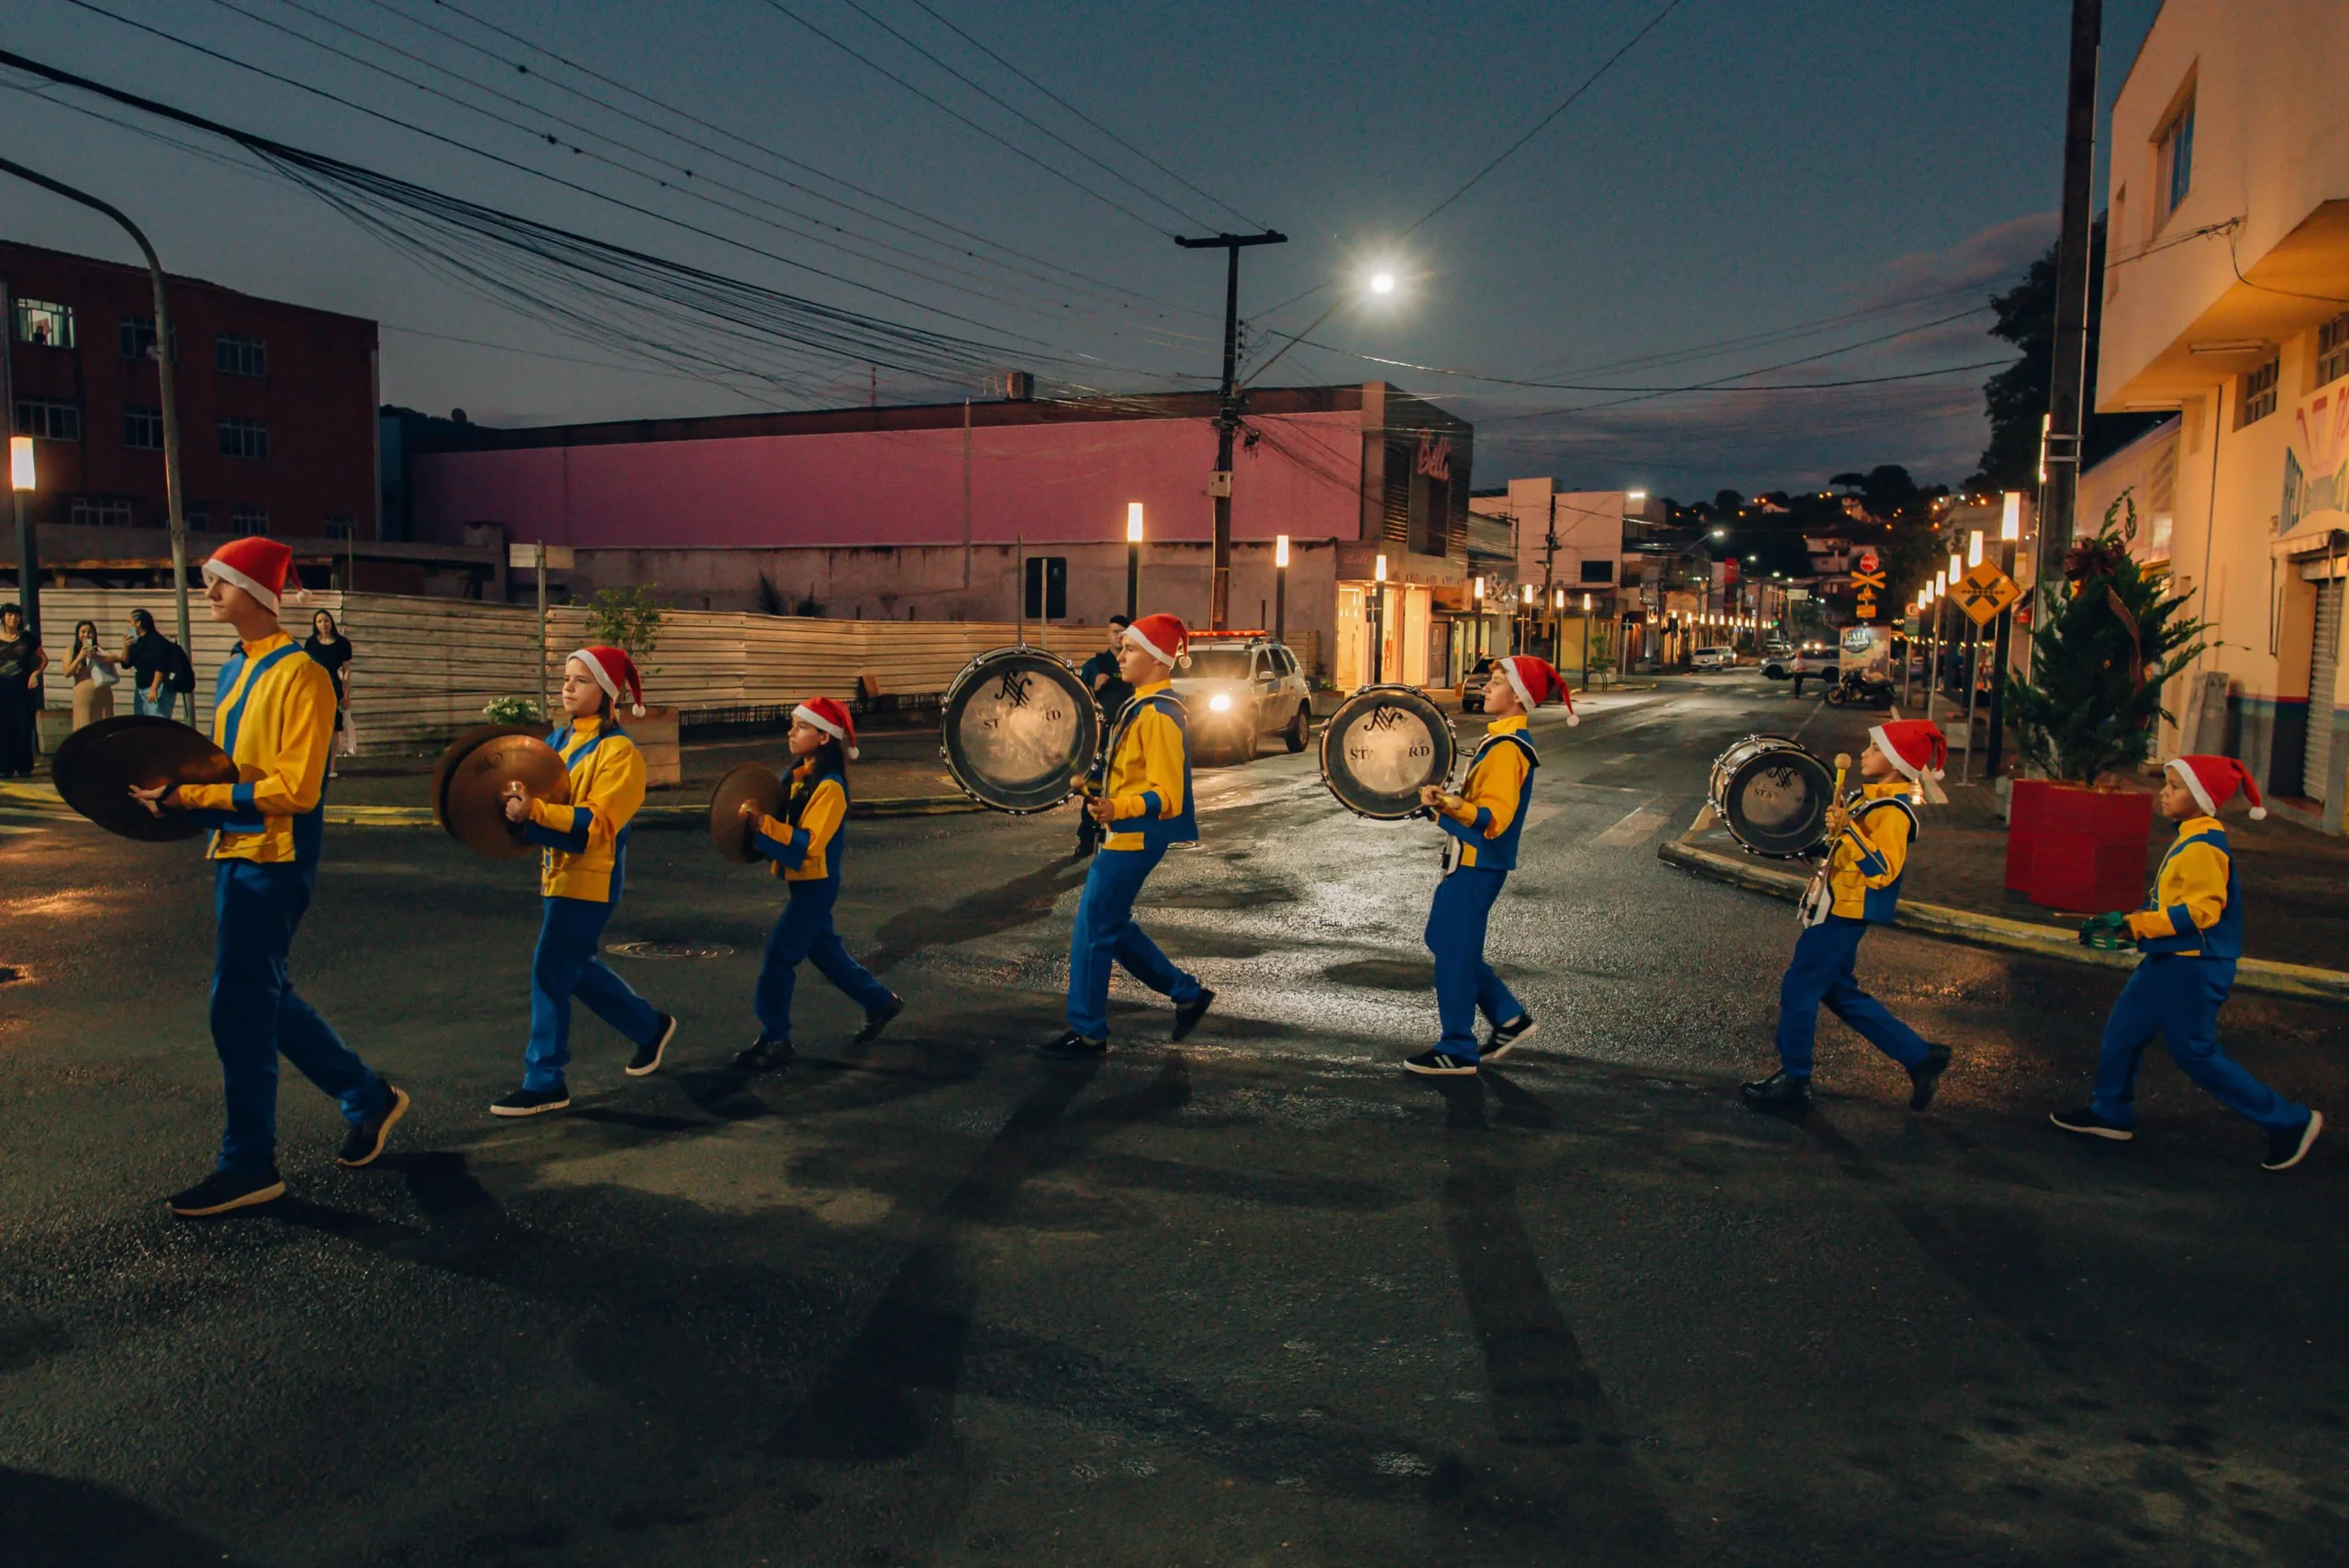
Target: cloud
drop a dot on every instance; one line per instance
(1988, 258)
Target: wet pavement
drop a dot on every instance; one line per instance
(1256, 1299)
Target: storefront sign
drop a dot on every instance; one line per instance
(1435, 456)
(2316, 464)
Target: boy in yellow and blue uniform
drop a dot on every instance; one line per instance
(1484, 823)
(2191, 934)
(808, 846)
(273, 713)
(1143, 803)
(581, 871)
(1858, 887)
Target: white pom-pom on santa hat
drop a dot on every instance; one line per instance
(830, 718)
(2212, 782)
(1535, 681)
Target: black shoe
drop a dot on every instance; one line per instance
(2289, 1148)
(647, 1059)
(1074, 1047)
(2087, 1122)
(762, 1055)
(1781, 1091)
(224, 1190)
(1507, 1036)
(877, 1018)
(1188, 1014)
(1927, 1076)
(1442, 1064)
(531, 1102)
(365, 1139)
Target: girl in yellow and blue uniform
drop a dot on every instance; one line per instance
(1858, 887)
(1484, 822)
(1144, 805)
(273, 713)
(2191, 934)
(582, 871)
(808, 845)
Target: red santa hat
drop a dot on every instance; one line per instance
(2212, 782)
(1919, 752)
(616, 673)
(1536, 681)
(261, 567)
(1164, 637)
(832, 719)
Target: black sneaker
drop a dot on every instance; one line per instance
(762, 1055)
(647, 1059)
(365, 1139)
(2289, 1148)
(1442, 1064)
(2085, 1122)
(531, 1102)
(225, 1190)
(1781, 1091)
(1507, 1036)
(877, 1018)
(1927, 1076)
(1188, 1014)
(1074, 1047)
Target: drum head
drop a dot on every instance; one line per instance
(1775, 801)
(753, 782)
(98, 763)
(473, 802)
(1381, 746)
(1021, 730)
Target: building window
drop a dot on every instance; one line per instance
(340, 525)
(245, 439)
(44, 325)
(2258, 394)
(49, 421)
(232, 355)
(136, 337)
(197, 518)
(249, 519)
(99, 512)
(2333, 349)
(142, 430)
(2175, 149)
(1597, 571)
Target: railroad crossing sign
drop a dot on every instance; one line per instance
(1984, 592)
(1868, 580)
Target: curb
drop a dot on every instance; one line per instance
(2301, 983)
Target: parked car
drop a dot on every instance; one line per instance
(1472, 685)
(1238, 688)
(1722, 657)
(1811, 658)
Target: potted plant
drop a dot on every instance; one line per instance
(2107, 640)
(630, 619)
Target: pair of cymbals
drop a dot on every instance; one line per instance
(750, 782)
(96, 768)
(481, 769)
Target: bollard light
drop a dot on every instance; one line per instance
(1134, 522)
(20, 462)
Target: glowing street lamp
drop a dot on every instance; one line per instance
(1133, 559)
(20, 483)
(1379, 622)
(1280, 588)
(1974, 548)
(2010, 517)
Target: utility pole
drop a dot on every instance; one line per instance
(2068, 380)
(1549, 569)
(28, 547)
(1227, 418)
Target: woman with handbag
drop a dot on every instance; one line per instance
(95, 673)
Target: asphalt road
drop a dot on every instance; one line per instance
(1256, 1299)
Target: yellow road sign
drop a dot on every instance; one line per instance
(1984, 592)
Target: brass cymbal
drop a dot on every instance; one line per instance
(473, 802)
(465, 742)
(98, 763)
(744, 781)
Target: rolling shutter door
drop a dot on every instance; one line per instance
(2325, 663)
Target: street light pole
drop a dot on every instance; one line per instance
(174, 492)
(1280, 589)
(1134, 558)
(1227, 417)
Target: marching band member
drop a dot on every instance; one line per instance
(808, 845)
(1143, 804)
(1859, 886)
(273, 713)
(2190, 932)
(581, 872)
(1485, 821)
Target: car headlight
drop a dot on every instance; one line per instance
(1219, 702)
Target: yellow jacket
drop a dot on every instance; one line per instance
(1495, 786)
(799, 853)
(1871, 854)
(2190, 909)
(1147, 776)
(273, 714)
(586, 841)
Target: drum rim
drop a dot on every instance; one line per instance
(1076, 684)
(1330, 726)
(1729, 820)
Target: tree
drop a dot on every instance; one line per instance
(1727, 503)
(627, 619)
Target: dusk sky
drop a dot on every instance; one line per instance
(1752, 183)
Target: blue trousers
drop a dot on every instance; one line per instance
(1821, 971)
(2179, 998)
(1464, 981)
(805, 931)
(1106, 931)
(565, 966)
(257, 1017)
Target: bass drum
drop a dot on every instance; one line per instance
(1381, 746)
(1021, 732)
(1773, 796)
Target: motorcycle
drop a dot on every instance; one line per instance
(1854, 688)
